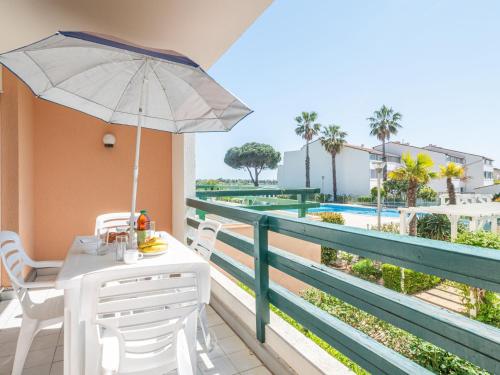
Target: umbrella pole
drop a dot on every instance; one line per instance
(142, 105)
(135, 181)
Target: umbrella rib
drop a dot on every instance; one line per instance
(79, 96)
(124, 91)
(93, 67)
(39, 67)
(166, 96)
(187, 83)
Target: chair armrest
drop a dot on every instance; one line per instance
(47, 264)
(37, 284)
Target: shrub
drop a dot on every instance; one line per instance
(329, 255)
(435, 227)
(480, 238)
(373, 192)
(366, 269)
(387, 227)
(427, 193)
(414, 281)
(486, 303)
(440, 361)
(332, 218)
(425, 354)
(489, 309)
(364, 199)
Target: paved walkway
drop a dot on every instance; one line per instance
(444, 296)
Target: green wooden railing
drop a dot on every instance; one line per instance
(469, 339)
(301, 204)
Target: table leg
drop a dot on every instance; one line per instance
(73, 349)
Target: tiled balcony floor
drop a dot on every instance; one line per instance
(229, 357)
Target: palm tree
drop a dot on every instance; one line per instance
(383, 124)
(415, 172)
(449, 171)
(332, 140)
(307, 128)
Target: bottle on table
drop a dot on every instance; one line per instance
(142, 227)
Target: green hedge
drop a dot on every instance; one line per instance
(366, 269)
(329, 255)
(425, 354)
(414, 281)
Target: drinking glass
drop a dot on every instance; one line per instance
(121, 244)
(151, 228)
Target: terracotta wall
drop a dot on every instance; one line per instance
(62, 176)
(17, 156)
(295, 246)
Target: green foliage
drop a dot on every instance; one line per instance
(366, 269)
(435, 227)
(328, 255)
(416, 171)
(384, 123)
(364, 199)
(427, 193)
(480, 238)
(374, 190)
(395, 189)
(486, 303)
(489, 309)
(306, 125)
(332, 139)
(387, 227)
(440, 361)
(425, 354)
(414, 281)
(332, 218)
(318, 341)
(256, 156)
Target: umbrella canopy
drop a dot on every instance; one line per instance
(105, 77)
(123, 83)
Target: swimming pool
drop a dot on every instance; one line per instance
(358, 210)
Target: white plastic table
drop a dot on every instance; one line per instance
(78, 263)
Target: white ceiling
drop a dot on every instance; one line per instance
(201, 29)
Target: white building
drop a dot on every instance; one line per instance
(478, 169)
(355, 169)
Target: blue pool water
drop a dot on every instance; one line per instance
(370, 211)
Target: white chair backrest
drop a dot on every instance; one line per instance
(112, 221)
(15, 260)
(206, 236)
(144, 309)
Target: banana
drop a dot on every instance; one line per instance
(153, 244)
(154, 248)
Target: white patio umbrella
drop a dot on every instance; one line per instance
(123, 83)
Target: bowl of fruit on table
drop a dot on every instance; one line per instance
(153, 246)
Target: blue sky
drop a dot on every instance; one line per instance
(435, 61)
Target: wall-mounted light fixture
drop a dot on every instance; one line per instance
(109, 140)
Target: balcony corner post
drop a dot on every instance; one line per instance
(261, 276)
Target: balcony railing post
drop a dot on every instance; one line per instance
(261, 277)
(301, 199)
(201, 213)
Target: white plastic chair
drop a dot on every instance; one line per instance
(36, 316)
(140, 321)
(112, 221)
(204, 244)
(206, 235)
